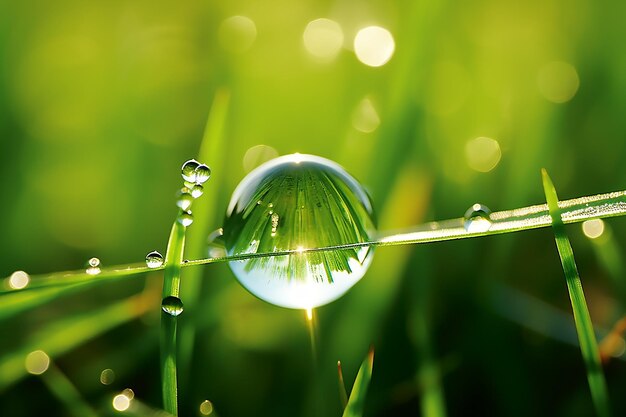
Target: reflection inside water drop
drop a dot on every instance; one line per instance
(189, 170)
(154, 259)
(185, 218)
(299, 202)
(93, 266)
(477, 218)
(216, 246)
(172, 306)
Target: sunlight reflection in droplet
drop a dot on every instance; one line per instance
(558, 81)
(482, 154)
(323, 38)
(237, 34)
(374, 46)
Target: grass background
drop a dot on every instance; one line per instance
(101, 103)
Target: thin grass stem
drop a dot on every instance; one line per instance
(61, 386)
(584, 327)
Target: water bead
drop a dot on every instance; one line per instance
(154, 259)
(185, 218)
(203, 173)
(172, 305)
(189, 170)
(477, 218)
(197, 190)
(299, 202)
(216, 244)
(93, 266)
(184, 199)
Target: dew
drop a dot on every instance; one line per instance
(154, 259)
(593, 229)
(185, 218)
(121, 402)
(477, 218)
(206, 407)
(184, 199)
(107, 376)
(374, 46)
(19, 280)
(215, 240)
(37, 362)
(203, 173)
(93, 266)
(189, 170)
(305, 202)
(197, 190)
(172, 306)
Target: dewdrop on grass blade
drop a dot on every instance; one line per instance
(295, 203)
(154, 259)
(477, 218)
(93, 266)
(172, 305)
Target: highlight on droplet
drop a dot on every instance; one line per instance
(323, 39)
(18, 280)
(374, 46)
(37, 362)
(558, 81)
(482, 154)
(365, 117)
(237, 34)
(593, 229)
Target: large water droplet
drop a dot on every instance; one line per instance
(184, 199)
(477, 218)
(172, 306)
(154, 259)
(185, 218)
(217, 247)
(299, 202)
(189, 170)
(203, 173)
(93, 266)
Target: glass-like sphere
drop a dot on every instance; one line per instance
(298, 202)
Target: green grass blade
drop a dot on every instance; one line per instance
(356, 401)
(343, 395)
(60, 385)
(171, 288)
(584, 327)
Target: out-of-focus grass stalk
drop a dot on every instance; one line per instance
(60, 385)
(171, 288)
(584, 327)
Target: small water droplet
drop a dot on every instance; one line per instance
(19, 280)
(203, 173)
(274, 218)
(197, 190)
(185, 218)
(154, 259)
(172, 306)
(189, 170)
(477, 218)
(93, 266)
(184, 199)
(217, 246)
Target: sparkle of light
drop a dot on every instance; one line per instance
(107, 376)
(296, 157)
(37, 362)
(558, 81)
(482, 154)
(365, 117)
(374, 46)
(323, 38)
(206, 407)
(121, 402)
(237, 34)
(309, 314)
(19, 280)
(257, 155)
(593, 229)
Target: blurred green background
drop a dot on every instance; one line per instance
(439, 106)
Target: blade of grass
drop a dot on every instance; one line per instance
(60, 385)
(343, 395)
(171, 288)
(584, 327)
(356, 402)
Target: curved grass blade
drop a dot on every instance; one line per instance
(359, 390)
(584, 327)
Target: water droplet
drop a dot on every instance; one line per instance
(154, 259)
(197, 190)
(206, 407)
(107, 376)
(184, 199)
(172, 306)
(477, 218)
(189, 170)
(217, 247)
(18, 280)
(185, 218)
(337, 211)
(203, 173)
(93, 266)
